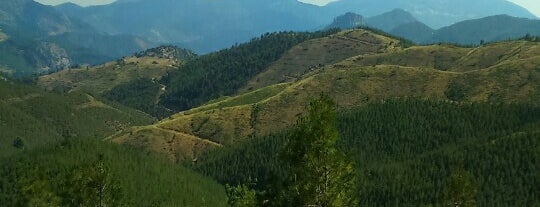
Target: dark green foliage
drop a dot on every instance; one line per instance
(460, 190)
(168, 52)
(530, 38)
(18, 143)
(241, 196)
(320, 174)
(223, 73)
(96, 173)
(40, 118)
(455, 92)
(405, 151)
(141, 94)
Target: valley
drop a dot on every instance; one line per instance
(252, 103)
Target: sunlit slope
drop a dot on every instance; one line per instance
(317, 53)
(434, 72)
(102, 78)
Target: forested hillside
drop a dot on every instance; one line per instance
(132, 81)
(497, 73)
(32, 118)
(224, 72)
(405, 151)
(96, 173)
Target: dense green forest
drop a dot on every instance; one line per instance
(35, 118)
(407, 151)
(223, 73)
(142, 94)
(96, 173)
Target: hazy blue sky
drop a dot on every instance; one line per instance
(531, 5)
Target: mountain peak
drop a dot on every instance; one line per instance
(347, 21)
(389, 20)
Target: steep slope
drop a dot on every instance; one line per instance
(315, 54)
(488, 29)
(224, 72)
(36, 118)
(348, 20)
(132, 81)
(411, 72)
(153, 64)
(43, 39)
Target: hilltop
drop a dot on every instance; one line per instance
(143, 70)
(492, 73)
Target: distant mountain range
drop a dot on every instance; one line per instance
(470, 32)
(205, 26)
(35, 38)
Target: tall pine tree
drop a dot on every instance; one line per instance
(320, 173)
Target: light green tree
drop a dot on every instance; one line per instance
(320, 173)
(241, 196)
(94, 186)
(460, 191)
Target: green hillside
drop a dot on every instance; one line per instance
(132, 81)
(96, 173)
(406, 149)
(37, 118)
(224, 72)
(499, 73)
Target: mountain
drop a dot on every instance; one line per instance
(141, 71)
(203, 26)
(488, 29)
(347, 21)
(390, 20)
(206, 26)
(37, 38)
(500, 72)
(470, 32)
(435, 14)
(397, 22)
(411, 112)
(415, 31)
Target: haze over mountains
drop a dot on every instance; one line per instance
(90, 117)
(35, 38)
(39, 38)
(211, 25)
(470, 32)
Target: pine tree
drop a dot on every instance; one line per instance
(320, 173)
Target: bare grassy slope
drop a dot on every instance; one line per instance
(102, 78)
(317, 53)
